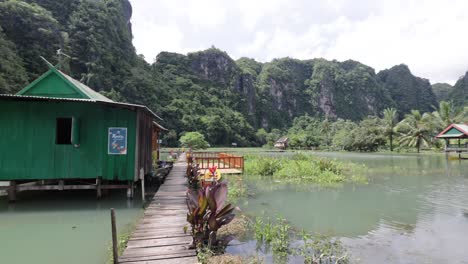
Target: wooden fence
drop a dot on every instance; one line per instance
(206, 160)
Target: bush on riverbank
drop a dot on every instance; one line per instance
(305, 168)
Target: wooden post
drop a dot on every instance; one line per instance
(98, 188)
(115, 250)
(130, 190)
(142, 179)
(12, 191)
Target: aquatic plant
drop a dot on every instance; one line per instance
(263, 166)
(237, 188)
(320, 248)
(314, 248)
(305, 168)
(207, 213)
(274, 236)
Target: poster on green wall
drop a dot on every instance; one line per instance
(117, 144)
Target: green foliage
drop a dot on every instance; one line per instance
(193, 140)
(415, 130)
(447, 114)
(246, 102)
(390, 120)
(407, 91)
(12, 73)
(441, 91)
(207, 213)
(315, 248)
(237, 188)
(33, 30)
(459, 93)
(304, 168)
(262, 166)
(94, 45)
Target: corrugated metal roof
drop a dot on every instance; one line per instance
(451, 135)
(462, 128)
(85, 89)
(57, 99)
(282, 140)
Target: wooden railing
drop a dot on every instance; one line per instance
(206, 160)
(457, 147)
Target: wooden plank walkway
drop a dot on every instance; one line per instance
(159, 236)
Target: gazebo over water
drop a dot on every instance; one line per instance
(457, 133)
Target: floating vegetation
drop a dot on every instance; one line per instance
(305, 168)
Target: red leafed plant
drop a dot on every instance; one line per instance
(207, 213)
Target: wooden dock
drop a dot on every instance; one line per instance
(159, 237)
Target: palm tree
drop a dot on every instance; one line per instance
(390, 121)
(447, 114)
(415, 130)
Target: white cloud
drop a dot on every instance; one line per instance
(426, 35)
(151, 39)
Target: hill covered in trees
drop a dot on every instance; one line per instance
(227, 100)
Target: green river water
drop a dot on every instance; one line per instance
(414, 209)
(62, 227)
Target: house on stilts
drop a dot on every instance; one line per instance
(59, 134)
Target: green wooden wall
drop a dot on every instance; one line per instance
(28, 149)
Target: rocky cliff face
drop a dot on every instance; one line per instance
(214, 65)
(459, 93)
(406, 90)
(441, 91)
(272, 94)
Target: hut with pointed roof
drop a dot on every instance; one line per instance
(282, 143)
(59, 132)
(457, 133)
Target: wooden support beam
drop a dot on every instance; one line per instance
(98, 188)
(130, 191)
(61, 185)
(12, 192)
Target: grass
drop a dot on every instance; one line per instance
(302, 167)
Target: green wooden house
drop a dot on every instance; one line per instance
(64, 135)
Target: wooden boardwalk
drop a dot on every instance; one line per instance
(159, 237)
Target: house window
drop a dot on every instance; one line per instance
(63, 131)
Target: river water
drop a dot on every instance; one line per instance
(414, 209)
(62, 227)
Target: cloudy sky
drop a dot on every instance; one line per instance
(429, 36)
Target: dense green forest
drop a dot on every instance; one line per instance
(242, 101)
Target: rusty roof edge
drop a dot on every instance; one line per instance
(161, 127)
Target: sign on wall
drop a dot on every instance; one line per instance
(117, 142)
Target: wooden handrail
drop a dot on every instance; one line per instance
(206, 160)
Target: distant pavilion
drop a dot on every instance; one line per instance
(457, 133)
